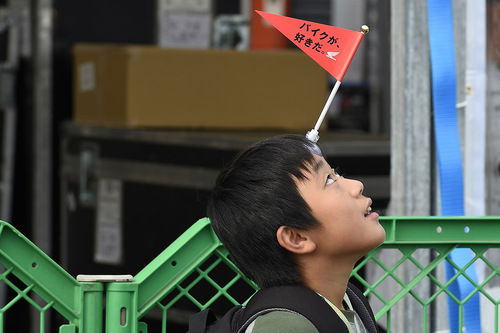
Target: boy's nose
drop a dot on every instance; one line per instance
(357, 187)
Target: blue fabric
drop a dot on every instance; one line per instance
(449, 157)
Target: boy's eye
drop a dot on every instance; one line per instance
(330, 180)
(332, 177)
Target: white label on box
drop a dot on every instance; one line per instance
(274, 7)
(190, 5)
(185, 30)
(108, 248)
(87, 76)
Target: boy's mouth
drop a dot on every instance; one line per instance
(369, 207)
(368, 211)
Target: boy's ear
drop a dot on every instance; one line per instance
(295, 240)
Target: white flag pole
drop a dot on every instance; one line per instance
(313, 134)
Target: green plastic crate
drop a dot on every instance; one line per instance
(36, 279)
(194, 273)
(198, 252)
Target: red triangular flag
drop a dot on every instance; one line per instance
(331, 47)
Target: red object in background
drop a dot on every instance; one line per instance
(331, 47)
(262, 34)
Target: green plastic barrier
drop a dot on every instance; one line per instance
(172, 278)
(195, 272)
(29, 273)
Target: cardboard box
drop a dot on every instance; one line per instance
(147, 86)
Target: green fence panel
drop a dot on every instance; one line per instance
(191, 263)
(35, 278)
(410, 237)
(195, 272)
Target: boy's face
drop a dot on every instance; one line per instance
(338, 204)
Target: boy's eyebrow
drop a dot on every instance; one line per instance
(317, 165)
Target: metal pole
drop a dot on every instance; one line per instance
(10, 24)
(42, 123)
(493, 117)
(410, 135)
(492, 121)
(475, 109)
(41, 13)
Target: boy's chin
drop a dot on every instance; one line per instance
(381, 240)
(378, 239)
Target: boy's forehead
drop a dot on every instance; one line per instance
(317, 164)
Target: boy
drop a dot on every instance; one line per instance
(287, 218)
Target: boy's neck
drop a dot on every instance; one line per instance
(330, 282)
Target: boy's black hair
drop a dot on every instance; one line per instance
(255, 195)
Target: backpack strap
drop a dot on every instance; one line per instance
(206, 322)
(199, 322)
(294, 298)
(362, 307)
